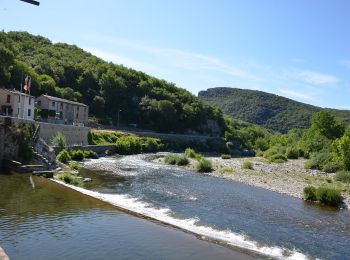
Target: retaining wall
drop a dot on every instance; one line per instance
(75, 135)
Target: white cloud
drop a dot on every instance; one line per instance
(112, 57)
(187, 60)
(296, 94)
(312, 77)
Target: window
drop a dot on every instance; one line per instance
(29, 112)
(78, 109)
(53, 104)
(19, 99)
(61, 104)
(8, 100)
(77, 116)
(30, 100)
(39, 103)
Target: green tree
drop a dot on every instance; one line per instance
(341, 151)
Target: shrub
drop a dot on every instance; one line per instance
(129, 145)
(74, 166)
(227, 170)
(64, 156)
(190, 153)
(247, 165)
(204, 165)
(343, 176)
(170, 159)
(292, 153)
(69, 178)
(318, 160)
(77, 155)
(226, 156)
(182, 160)
(59, 140)
(175, 159)
(331, 167)
(278, 158)
(329, 196)
(310, 193)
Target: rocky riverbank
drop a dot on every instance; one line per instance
(288, 178)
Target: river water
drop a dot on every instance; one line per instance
(40, 219)
(235, 214)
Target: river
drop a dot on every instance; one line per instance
(237, 215)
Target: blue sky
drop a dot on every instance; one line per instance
(294, 48)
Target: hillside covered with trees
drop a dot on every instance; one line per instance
(265, 109)
(69, 72)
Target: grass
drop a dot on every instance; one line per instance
(69, 178)
(226, 170)
(247, 165)
(176, 160)
(226, 156)
(327, 196)
(74, 166)
(204, 165)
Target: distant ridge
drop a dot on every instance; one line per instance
(265, 109)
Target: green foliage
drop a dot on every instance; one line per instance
(190, 153)
(247, 165)
(341, 152)
(329, 196)
(182, 161)
(310, 193)
(69, 178)
(292, 153)
(112, 91)
(176, 159)
(77, 155)
(204, 165)
(22, 134)
(343, 176)
(327, 125)
(226, 156)
(74, 166)
(59, 140)
(264, 109)
(63, 156)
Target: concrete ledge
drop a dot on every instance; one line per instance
(3, 255)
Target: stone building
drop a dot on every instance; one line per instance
(59, 110)
(14, 103)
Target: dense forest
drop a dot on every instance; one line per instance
(69, 72)
(268, 110)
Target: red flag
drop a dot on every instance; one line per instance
(26, 84)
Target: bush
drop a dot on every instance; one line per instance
(182, 160)
(247, 165)
(190, 153)
(204, 165)
(74, 166)
(170, 159)
(329, 196)
(343, 176)
(64, 156)
(277, 158)
(175, 159)
(59, 140)
(69, 178)
(77, 155)
(226, 156)
(292, 153)
(318, 160)
(310, 193)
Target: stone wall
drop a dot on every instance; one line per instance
(8, 144)
(75, 135)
